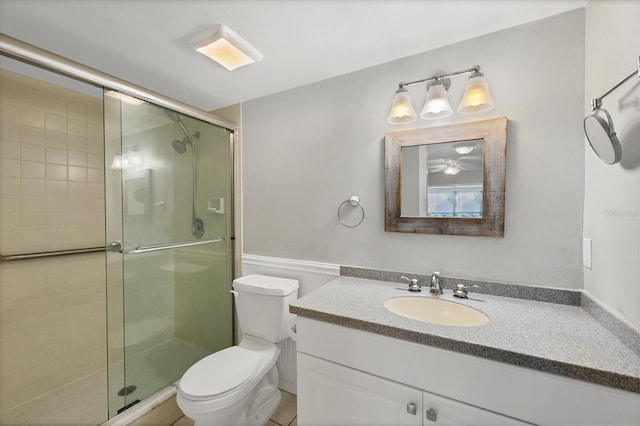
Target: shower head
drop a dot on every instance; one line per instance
(180, 146)
(175, 117)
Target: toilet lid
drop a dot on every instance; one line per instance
(219, 373)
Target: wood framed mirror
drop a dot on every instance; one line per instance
(447, 180)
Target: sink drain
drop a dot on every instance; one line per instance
(127, 390)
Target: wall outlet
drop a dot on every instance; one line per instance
(586, 252)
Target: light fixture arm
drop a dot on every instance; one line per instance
(596, 103)
(474, 69)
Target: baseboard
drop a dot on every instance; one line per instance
(289, 387)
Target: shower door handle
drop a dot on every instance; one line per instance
(168, 246)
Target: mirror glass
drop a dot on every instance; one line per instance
(447, 180)
(442, 180)
(602, 137)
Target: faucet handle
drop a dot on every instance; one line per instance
(461, 290)
(414, 284)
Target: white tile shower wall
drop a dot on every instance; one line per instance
(311, 276)
(52, 311)
(51, 167)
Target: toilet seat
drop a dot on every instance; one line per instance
(219, 374)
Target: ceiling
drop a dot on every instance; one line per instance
(145, 41)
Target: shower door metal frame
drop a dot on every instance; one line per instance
(25, 52)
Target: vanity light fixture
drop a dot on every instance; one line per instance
(476, 97)
(224, 46)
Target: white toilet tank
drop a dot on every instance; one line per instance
(263, 305)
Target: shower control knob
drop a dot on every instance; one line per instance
(197, 228)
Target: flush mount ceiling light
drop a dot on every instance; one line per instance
(463, 149)
(224, 46)
(476, 97)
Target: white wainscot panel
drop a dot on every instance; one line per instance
(311, 276)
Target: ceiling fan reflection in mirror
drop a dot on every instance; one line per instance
(453, 167)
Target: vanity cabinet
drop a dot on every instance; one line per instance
(352, 377)
(332, 394)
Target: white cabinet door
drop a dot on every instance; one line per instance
(331, 394)
(444, 411)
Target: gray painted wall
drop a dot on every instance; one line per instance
(612, 193)
(308, 149)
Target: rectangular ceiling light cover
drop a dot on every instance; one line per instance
(226, 47)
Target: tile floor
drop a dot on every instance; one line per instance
(287, 412)
(285, 415)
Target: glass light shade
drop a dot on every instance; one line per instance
(402, 111)
(436, 104)
(476, 96)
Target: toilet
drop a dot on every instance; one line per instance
(239, 385)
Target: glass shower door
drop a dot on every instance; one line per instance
(172, 261)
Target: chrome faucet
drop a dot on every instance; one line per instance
(414, 284)
(436, 284)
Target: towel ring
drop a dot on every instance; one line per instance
(354, 201)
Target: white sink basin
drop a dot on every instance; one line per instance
(436, 311)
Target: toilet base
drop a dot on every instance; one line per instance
(267, 410)
(253, 410)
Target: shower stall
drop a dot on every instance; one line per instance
(116, 240)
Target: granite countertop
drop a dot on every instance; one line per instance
(549, 337)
